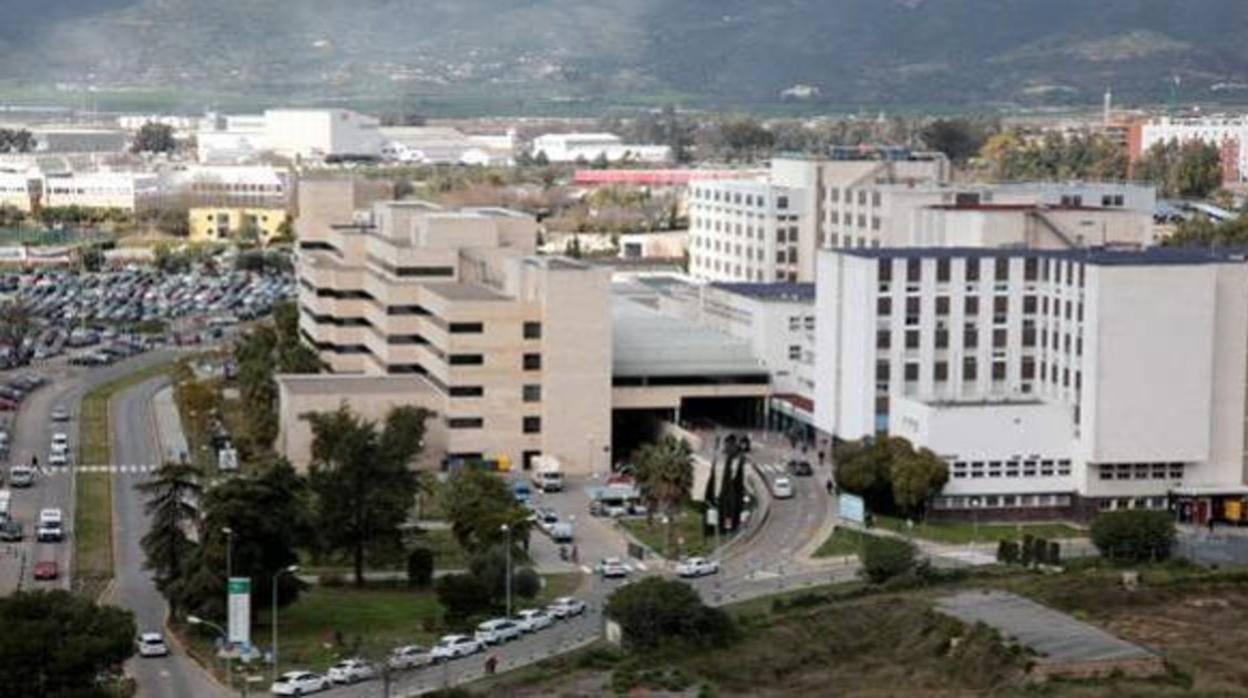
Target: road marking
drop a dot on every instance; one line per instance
(586, 569)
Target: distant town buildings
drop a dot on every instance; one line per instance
(588, 147)
(443, 145)
(294, 134)
(125, 191)
(1229, 133)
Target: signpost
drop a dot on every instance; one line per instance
(850, 507)
(240, 610)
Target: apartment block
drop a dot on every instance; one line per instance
(1227, 132)
(218, 224)
(1054, 383)
(451, 310)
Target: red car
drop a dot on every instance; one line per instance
(46, 570)
(7, 405)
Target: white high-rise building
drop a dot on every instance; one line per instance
(1054, 383)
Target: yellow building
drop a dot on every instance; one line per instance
(218, 223)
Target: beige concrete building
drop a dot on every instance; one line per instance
(451, 310)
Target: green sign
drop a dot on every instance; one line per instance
(240, 585)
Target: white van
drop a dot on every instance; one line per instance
(51, 528)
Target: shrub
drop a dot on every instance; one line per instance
(1040, 551)
(526, 583)
(655, 610)
(885, 558)
(462, 595)
(1027, 554)
(1135, 535)
(420, 567)
(1007, 552)
(1055, 553)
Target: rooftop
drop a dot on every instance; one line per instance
(465, 292)
(648, 343)
(1153, 256)
(770, 291)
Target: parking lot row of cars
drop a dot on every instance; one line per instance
(450, 647)
(13, 392)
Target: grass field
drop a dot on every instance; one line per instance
(961, 532)
(687, 528)
(843, 541)
(93, 510)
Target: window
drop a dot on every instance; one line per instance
(467, 359)
(532, 393)
(782, 202)
(912, 339)
(942, 270)
(941, 371)
(466, 328)
(970, 338)
(532, 425)
(912, 309)
(972, 270)
(971, 305)
(885, 270)
(914, 270)
(795, 352)
(883, 339)
(882, 371)
(942, 305)
(998, 370)
(998, 339)
(942, 338)
(532, 362)
(467, 391)
(912, 372)
(532, 330)
(465, 423)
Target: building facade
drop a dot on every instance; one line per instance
(1228, 132)
(224, 224)
(1052, 382)
(125, 191)
(294, 134)
(573, 147)
(451, 311)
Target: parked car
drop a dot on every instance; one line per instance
(60, 440)
(59, 457)
(454, 647)
(801, 468)
(534, 619)
(7, 405)
(12, 532)
(46, 570)
(409, 657)
(612, 568)
(697, 567)
(498, 630)
(566, 607)
(782, 488)
(152, 645)
(298, 683)
(351, 671)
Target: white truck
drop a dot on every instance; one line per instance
(547, 474)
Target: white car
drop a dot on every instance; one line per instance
(454, 647)
(697, 567)
(498, 630)
(612, 568)
(60, 414)
(58, 457)
(409, 657)
(534, 619)
(152, 645)
(566, 607)
(351, 671)
(298, 683)
(60, 439)
(782, 488)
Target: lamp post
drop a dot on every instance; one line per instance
(285, 570)
(507, 529)
(229, 552)
(229, 673)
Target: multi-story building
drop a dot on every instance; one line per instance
(126, 191)
(747, 231)
(259, 186)
(223, 224)
(1228, 132)
(1052, 382)
(18, 189)
(408, 303)
(289, 133)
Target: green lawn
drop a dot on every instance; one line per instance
(963, 532)
(687, 527)
(843, 541)
(93, 509)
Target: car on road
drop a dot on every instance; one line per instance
(60, 414)
(801, 468)
(59, 457)
(534, 619)
(152, 645)
(60, 440)
(566, 607)
(352, 671)
(409, 657)
(612, 568)
(298, 683)
(697, 567)
(51, 528)
(454, 647)
(545, 517)
(498, 630)
(46, 570)
(21, 476)
(12, 532)
(782, 488)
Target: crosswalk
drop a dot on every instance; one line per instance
(772, 468)
(99, 469)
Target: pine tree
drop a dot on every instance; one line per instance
(709, 501)
(738, 491)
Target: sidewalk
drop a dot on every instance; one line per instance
(169, 432)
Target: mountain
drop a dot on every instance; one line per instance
(722, 53)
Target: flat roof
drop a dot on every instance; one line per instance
(648, 343)
(781, 291)
(1152, 256)
(465, 292)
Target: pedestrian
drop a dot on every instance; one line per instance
(491, 664)
(831, 487)
(821, 458)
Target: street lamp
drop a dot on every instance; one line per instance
(229, 552)
(225, 638)
(507, 529)
(285, 570)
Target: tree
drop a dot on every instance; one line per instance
(745, 139)
(478, 503)
(17, 323)
(490, 567)
(1134, 535)
(173, 496)
(364, 480)
(16, 141)
(891, 475)
(917, 476)
(884, 558)
(92, 258)
(958, 139)
(58, 644)
(655, 611)
(462, 595)
(420, 567)
(154, 138)
(1192, 169)
(665, 477)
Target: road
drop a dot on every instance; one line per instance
(134, 441)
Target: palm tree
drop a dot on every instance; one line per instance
(665, 476)
(172, 501)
